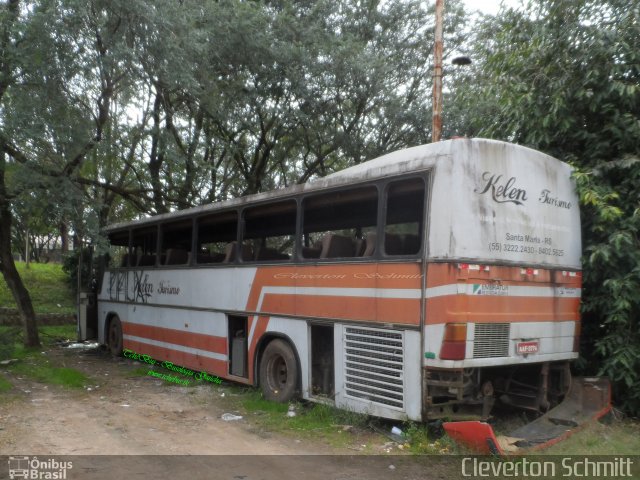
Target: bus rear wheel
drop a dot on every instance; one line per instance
(278, 372)
(115, 337)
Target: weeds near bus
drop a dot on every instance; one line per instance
(339, 427)
(420, 440)
(309, 417)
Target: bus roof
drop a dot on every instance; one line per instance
(422, 157)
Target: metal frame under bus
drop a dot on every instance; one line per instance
(427, 283)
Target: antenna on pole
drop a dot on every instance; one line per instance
(436, 128)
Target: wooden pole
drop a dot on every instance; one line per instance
(436, 128)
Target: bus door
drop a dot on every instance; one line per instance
(87, 315)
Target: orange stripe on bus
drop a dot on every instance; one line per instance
(363, 275)
(396, 275)
(388, 310)
(192, 361)
(467, 308)
(439, 274)
(200, 341)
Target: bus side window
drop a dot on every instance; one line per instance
(216, 237)
(405, 212)
(340, 224)
(119, 249)
(175, 242)
(269, 232)
(144, 247)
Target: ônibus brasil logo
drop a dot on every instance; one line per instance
(32, 468)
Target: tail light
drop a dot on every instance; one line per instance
(454, 342)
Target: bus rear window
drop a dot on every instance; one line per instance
(340, 224)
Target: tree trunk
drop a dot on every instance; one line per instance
(8, 267)
(64, 237)
(27, 253)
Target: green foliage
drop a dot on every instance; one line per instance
(70, 267)
(564, 78)
(611, 199)
(48, 285)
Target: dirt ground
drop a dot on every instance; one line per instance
(119, 416)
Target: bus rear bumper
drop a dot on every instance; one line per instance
(588, 399)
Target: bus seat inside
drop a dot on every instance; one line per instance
(393, 244)
(370, 245)
(177, 256)
(334, 246)
(146, 260)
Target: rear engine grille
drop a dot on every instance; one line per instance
(374, 362)
(491, 340)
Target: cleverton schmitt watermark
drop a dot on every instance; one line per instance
(569, 467)
(141, 357)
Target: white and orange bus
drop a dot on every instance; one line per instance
(422, 284)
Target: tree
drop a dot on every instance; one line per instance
(113, 109)
(9, 38)
(251, 96)
(564, 77)
(58, 75)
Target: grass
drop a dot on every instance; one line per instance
(48, 287)
(421, 441)
(621, 437)
(43, 371)
(5, 385)
(33, 363)
(139, 371)
(338, 428)
(308, 416)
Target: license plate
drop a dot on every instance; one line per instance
(525, 348)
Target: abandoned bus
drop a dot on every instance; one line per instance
(427, 283)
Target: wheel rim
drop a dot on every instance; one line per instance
(114, 336)
(278, 373)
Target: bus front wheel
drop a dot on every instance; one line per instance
(115, 337)
(278, 372)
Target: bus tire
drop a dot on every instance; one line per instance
(115, 337)
(278, 372)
